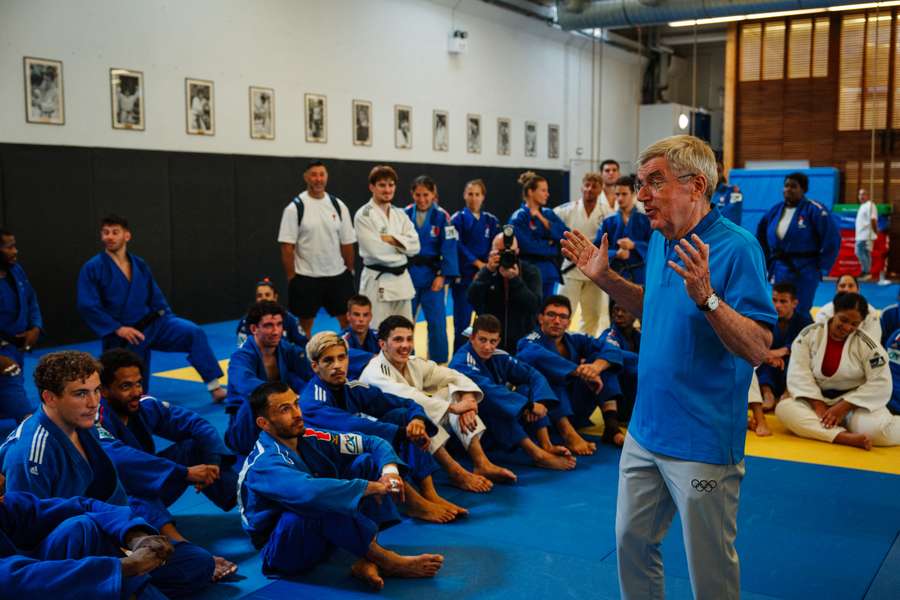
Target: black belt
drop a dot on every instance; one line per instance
(148, 319)
(788, 258)
(382, 269)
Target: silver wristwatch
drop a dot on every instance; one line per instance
(711, 304)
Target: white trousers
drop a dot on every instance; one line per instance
(594, 304)
(381, 309)
(880, 425)
(451, 421)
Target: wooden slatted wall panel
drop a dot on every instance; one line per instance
(850, 96)
(750, 40)
(820, 47)
(773, 50)
(878, 56)
(800, 48)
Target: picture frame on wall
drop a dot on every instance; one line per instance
(530, 138)
(362, 123)
(316, 118)
(127, 99)
(473, 134)
(552, 141)
(403, 127)
(200, 106)
(440, 131)
(44, 98)
(504, 136)
(262, 113)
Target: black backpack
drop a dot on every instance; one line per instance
(300, 209)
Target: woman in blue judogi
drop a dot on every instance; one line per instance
(435, 264)
(538, 230)
(476, 229)
(20, 326)
(120, 301)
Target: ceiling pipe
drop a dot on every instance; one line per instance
(634, 13)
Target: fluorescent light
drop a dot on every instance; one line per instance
(785, 13)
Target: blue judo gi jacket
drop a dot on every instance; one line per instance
(538, 245)
(25, 521)
(782, 338)
(638, 231)
(730, 202)
(437, 254)
(246, 372)
(893, 350)
(107, 300)
(19, 311)
(312, 481)
(292, 331)
(475, 239)
(370, 345)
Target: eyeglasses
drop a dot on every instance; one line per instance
(555, 315)
(657, 182)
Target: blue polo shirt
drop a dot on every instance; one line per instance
(692, 392)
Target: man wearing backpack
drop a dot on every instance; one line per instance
(316, 238)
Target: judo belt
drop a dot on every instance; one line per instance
(788, 258)
(624, 269)
(382, 269)
(565, 270)
(432, 262)
(148, 319)
(832, 394)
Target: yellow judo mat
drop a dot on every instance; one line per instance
(782, 445)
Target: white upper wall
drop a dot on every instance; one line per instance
(384, 51)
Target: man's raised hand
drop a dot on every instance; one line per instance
(590, 260)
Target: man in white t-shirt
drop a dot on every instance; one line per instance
(586, 215)
(866, 231)
(317, 237)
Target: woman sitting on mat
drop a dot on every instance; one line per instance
(839, 382)
(848, 283)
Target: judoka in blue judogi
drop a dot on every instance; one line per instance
(626, 337)
(305, 492)
(791, 321)
(727, 198)
(635, 227)
(516, 396)
(292, 330)
(20, 326)
(800, 239)
(197, 457)
(890, 321)
(71, 548)
(368, 344)
(435, 265)
(121, 302)
(40, 459)
(476, 229)
(539, 245)
(331, 402)
(893, 350)
(573, 375)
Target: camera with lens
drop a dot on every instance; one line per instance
(508, 256)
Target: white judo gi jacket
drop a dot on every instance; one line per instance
(574, 215)
(371, 223)
(863, 374)
(430, 385)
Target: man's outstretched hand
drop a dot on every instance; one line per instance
(590, 260)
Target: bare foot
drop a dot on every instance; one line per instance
(578, 445)
(496, 473)
(429, 511)
(224, 568)
(557, 450)
(219, 394)
(762, 429)
(470, 482)
(751, 423)
(768, 403)
(859, 440)
(367, 572)
(458, 510)
(411, 567)
(557, 462)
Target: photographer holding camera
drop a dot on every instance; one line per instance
(508, 288)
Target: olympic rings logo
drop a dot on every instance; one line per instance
(704, 485)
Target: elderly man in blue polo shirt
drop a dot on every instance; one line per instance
(706, 321)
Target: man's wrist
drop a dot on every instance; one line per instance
(390, 469)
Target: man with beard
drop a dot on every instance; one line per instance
(198, 456)
(329, 401)
(120, 301)
(304, 493)
(20, 326)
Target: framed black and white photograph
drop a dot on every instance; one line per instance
(530, 138)
(362, 123)
(127, 90)
(200, 109)
(262, 113)
(440, 131)
(402, 126)
(316, 118)
(473, 134)
(44, 101)
(552, 141)
(504, 135)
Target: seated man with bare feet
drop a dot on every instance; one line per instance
(304, 493)
(581, 370)
(329, 401)
(839, 382)
(511, 413)
(772, 374)
(450, 400)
